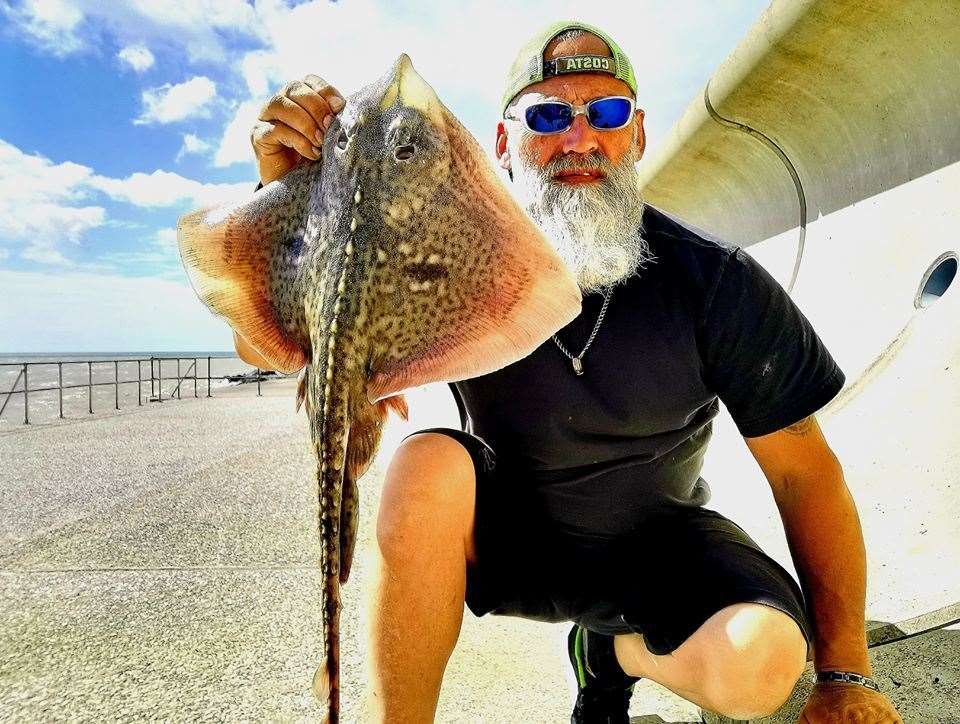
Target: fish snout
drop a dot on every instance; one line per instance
(407, 88)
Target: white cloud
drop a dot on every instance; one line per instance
(4, 253)
(37, 200)
(192, 144)
(202, 28)
(235, 144)
(107, 311)
(47, 225)
(166, 238)
(27, 176)
(45, 220)
(51, 24)
(170, 103)
(261, 72)
(165, 188)
(157, 253)
(45, 255)
(44, 205)
(137, 57)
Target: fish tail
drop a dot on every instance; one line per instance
(332, 457)
(332, 628)
(326, 680)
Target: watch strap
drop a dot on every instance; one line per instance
(847, 677)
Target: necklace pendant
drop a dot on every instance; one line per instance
(577, 365)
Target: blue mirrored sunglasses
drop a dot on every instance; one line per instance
(603, 114)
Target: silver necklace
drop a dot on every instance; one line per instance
(577, 361)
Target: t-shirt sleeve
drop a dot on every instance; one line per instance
(760, 354)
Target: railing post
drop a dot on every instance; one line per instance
(196, 364)
(90, 387)
(26, 394)
(60, 385)
(258, 382)
(139, 384)
(153, 392)
(116, 385)
(208, 378)
(160, 379)
(179, 381)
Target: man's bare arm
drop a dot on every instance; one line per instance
(801, 427)
(825, 539)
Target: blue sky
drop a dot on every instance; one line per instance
(116, 118)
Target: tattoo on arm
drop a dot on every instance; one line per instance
(800, 427)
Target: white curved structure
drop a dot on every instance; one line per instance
(828, 143)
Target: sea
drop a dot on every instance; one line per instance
(107, 381)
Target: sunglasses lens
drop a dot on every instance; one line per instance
(609, 113)
(549, 117)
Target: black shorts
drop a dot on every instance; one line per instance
(683, 565)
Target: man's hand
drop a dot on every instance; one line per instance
(835, 702)
(292, 124)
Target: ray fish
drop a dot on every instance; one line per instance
(397, 260)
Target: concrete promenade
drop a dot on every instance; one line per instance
(160, 564)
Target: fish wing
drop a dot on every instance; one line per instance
(228, 252)
(464, 282)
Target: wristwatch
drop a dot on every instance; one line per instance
(847, 677)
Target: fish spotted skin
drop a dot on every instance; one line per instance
(396, 260)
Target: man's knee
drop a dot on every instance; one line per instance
(428, 496)
(757, 655)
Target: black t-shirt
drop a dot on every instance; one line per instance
(589, 454)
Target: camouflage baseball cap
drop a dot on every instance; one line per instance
(529, 67)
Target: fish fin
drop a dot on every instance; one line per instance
(321, 682)
(397, 403)
(228, 252)
(323, 691)
(443, 328)
(365, 432)
(349, 518)
(301, 388)
(248, 354)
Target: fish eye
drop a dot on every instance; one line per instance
(405, 152)
(342, 140)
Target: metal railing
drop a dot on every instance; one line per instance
(155, 380)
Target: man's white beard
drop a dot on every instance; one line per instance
(595, 227)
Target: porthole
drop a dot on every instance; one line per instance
(936, 280)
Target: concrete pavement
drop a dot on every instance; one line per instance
(160, 564)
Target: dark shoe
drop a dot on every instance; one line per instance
(604, 691)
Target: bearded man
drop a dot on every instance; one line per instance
(573, 492)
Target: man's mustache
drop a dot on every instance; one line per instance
(577, 161)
